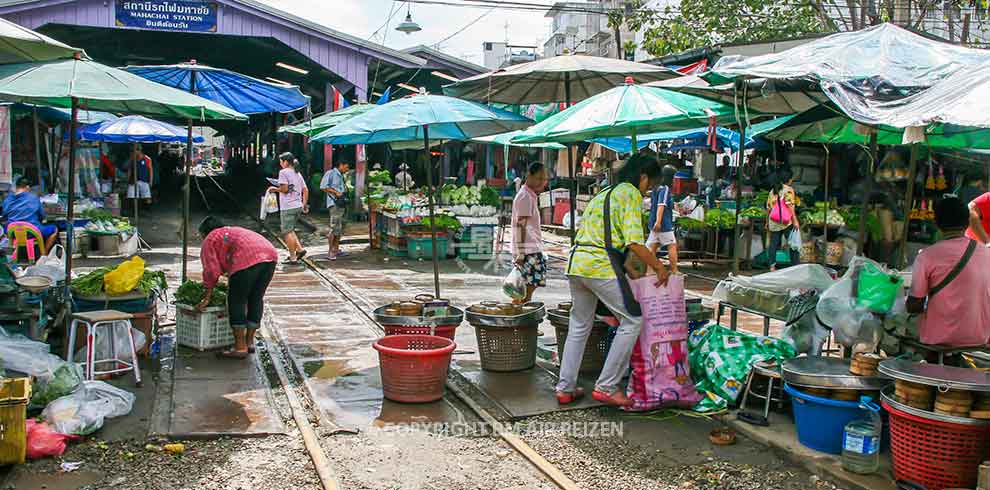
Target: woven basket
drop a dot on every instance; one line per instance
(507, 348)
(595, 350)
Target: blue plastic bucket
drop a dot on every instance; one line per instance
(820, 421)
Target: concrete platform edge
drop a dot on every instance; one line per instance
(824, 466)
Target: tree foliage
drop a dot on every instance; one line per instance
(698, 23)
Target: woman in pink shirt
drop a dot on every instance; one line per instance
(248, 260)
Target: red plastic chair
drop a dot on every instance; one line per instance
(24, 234)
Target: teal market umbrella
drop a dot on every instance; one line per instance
(505, 139)
(419, 118)
(326, 121)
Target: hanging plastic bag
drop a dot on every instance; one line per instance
(43, 441)
(269, 204)
(84, 411)
(121, 349)
(124, 278)
(794, 240)
(877, 289)
(514, 284)
(51, 266)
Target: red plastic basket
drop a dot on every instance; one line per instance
(445, 331)
(936, 454)
(414, 367)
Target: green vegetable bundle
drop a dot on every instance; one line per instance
(379, 177)
(718, 218)
(490, 197)
(192, 292)
(690, 223)
(90, 284)
(442, 222)
(754, 212)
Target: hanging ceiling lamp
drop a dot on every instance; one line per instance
(408, 26)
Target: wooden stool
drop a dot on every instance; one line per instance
(94, 320)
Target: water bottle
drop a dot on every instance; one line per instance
(861, 441)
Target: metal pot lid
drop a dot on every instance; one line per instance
(887, 396)
(943, 377)
(828, 372)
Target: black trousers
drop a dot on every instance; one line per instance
(246, 296)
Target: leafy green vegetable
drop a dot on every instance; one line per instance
(490, 197)
(442, 222)
(379, 177)
(719, 218)
(90, 284)
(97, 214)
(152, 281)
(690, 223)
(192, 292)
(754, 212)
(65, 378)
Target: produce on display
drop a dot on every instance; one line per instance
(817, 216)
(851, 215)
(93, 283)
(382, 177)
(922, 214)
(101, 221)
(720, 218)
(192, 292)
(690, 223)
(478, 211)
(442, 222)
(754, 212)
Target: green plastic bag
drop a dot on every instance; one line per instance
(877, 290)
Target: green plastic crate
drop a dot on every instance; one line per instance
(422, 247)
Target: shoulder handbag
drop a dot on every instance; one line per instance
(954, 273)
(780, 213)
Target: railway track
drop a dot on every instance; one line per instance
(302, 413)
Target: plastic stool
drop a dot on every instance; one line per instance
(771, 371)
(94, 320)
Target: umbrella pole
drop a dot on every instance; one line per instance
(186, 187)
(908, 206)
(70, 209)
(37, 146)
(861, 238)
(429, 194)
(740, 157)
(570, 163)
(185, 203)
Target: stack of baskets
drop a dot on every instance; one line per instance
(414, 356)
(595, 350)
(507, 334)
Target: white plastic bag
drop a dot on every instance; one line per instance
(51, 266)
(854, 326)
(514, 284)
(269, 204)
(122, 350)
(83, 411)
(794, 240)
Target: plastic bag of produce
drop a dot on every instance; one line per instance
(64, 380)
(877, 289)
(661, 375)
(852, 324)
(124, 278)
(514, 284)
(50, 266)
(42, 441)
(794, 240)
(83, 411)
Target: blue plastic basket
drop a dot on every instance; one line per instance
(821, 421)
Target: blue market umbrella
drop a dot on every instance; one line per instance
(420, 118)
(242, 93)
(692, 138)
(135, 129)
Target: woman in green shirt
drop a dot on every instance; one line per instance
(592, 277)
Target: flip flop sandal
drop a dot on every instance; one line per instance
(250, 350)
(231, 354)
(300, 254)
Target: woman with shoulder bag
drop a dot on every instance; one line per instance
(611, 229)
(782, 219)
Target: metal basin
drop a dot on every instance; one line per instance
(828, 372)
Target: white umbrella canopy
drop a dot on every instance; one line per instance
(558, 79)
(22, 45)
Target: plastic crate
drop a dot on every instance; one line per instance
(14, 396)
(205, 330)
(422, 247)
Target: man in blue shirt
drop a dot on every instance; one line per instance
(23, 205)
(333, 186)
(662, 217)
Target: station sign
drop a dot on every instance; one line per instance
(167, 15)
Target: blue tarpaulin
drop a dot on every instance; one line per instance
(242, 93)
(135, 129)
(692, 138)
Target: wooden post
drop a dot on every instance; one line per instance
(861, 239)
(429, 194)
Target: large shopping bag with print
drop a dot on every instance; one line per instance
(661, 375)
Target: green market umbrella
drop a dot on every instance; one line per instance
(82, 83)
(326, 121)
(626, 111)
(505, 139)
(417, 118)
(22, 45)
